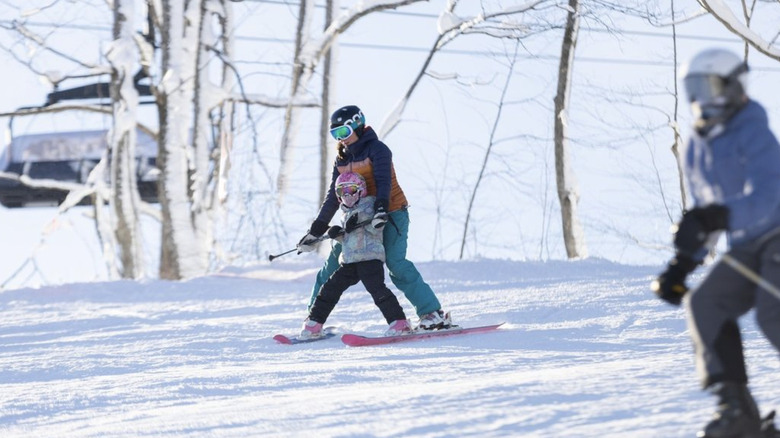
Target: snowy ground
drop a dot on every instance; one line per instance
(587, 351)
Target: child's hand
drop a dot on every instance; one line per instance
(352, 224)
(335, 231)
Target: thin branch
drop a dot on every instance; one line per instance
(41, 42)
(58, 108)
(512, 63)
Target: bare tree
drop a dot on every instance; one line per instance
(491, 142)
(182, 252)
(206, 97)
(291, 112)
(309, 52)
(568, 195)
(224, 117)
(122, 141)
(678, 142)
(451, 27)
(331, 8)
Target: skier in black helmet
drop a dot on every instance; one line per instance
(732, 165)
(361, 151)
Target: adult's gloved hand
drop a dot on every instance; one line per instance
(697, 224)
(670, 285)
(380, 213)
(309, 242)
(713, 217)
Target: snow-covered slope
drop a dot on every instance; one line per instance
(587, 351)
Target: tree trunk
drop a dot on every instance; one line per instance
(225, 117)
(331, 6)
(308, 53)
(568, 196)
(204, 93)
(125, 199)
(182, 253)
(291, 113)
(677, 145)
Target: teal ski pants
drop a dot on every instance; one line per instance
(403, 273)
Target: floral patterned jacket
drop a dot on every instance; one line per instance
(364, 243)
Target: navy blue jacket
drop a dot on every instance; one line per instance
(373, 160)
(739, 167)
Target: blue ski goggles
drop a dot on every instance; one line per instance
(349, 126)
(341, 132)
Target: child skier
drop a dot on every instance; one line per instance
(362, 257)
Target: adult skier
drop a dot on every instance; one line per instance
(361, 151)
(732, 166)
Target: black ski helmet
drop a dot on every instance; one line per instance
(351, 115)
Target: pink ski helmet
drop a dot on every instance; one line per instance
(350, 187)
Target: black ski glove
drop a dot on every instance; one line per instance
(696, 225)
(670, 284)
(352, 224)
(380, 213)
(335, 231)
(713, 217)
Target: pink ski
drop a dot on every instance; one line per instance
(329, 332)
(354, 340)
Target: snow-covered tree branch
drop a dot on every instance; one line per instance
(724, 14)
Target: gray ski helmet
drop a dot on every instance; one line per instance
(351, 115)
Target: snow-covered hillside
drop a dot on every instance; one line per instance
(587, 351)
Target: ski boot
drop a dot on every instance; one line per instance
(434, 321)
(397, 328)
(311, 329)
(737, 415)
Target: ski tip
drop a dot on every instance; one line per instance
(350, 336)
(352, 340)
(282, 339)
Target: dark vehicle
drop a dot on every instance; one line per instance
(67, 157)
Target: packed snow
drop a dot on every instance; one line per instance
(586, 351)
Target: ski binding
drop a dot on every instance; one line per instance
(327, 333)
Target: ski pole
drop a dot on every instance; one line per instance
(751, 275)
(271, 257)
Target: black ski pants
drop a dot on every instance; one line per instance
(725, 295)
(372, 274)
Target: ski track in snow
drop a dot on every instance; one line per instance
(587, 351)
